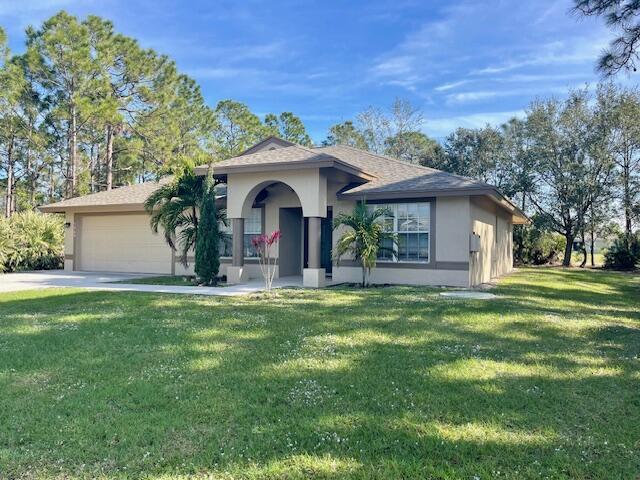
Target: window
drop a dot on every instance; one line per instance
(252, 227)
(225, 245)
(410, 222)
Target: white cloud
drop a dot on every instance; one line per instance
(531, 91)
(450, 86)
(541, 84)
(484, 40)
(222, 72)
(394, 66)
(441, 127)
(577, 50)
(473, 96)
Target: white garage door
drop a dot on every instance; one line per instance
(121, 243)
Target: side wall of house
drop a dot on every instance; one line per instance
(495, 228)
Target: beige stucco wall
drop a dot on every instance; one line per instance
(310, 186)
(452, 229)
(504, 263)
(452, 245)
(495, 229)
(404, 276)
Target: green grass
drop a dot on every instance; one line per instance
(386, 383)
(177, 280)
(598, 258)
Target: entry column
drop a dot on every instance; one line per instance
(236, 272)
(314, 276)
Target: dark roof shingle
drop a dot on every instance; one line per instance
(394, 175)
(134, 195)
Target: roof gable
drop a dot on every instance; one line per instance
(284, 158)
(269, 143)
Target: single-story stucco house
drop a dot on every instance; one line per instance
(452, 230)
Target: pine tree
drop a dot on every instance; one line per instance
(207, 255)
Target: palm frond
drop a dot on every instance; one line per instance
(172, 210)
(364, 237)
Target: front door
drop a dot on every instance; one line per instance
(326, 241)
(290, 246)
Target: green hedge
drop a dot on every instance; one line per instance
(536, 246)
(624, 253)
(31, 241)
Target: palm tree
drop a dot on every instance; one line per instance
(364, 239)
(174, 208)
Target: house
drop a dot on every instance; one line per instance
(452, 230)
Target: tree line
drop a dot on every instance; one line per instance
(571, 164)
(86, 109)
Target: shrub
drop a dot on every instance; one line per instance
(623, 255)
(262, 244)
(31, 241)
(6, 243)
(537, 246)
(207, 262)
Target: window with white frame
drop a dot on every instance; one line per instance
(410, 223)
(252, 227)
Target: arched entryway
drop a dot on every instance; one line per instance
(285, 207)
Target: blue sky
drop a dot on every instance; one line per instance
(463, 63)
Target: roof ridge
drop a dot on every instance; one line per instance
(312, 150)
(260, 152)
(386, 157)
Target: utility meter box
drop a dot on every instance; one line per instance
(474, 242)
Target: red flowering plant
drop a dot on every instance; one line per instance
(262, 244)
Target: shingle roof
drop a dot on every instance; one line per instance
(380, 175)
(385, 175)
(394, 175)
(388, 174)
(292, 154)
(133, 195)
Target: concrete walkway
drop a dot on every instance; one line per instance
(13, 282)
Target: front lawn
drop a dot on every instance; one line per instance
(384, 383)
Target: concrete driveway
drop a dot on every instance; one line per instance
(12, 282)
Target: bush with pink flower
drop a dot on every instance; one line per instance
(263, 245)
